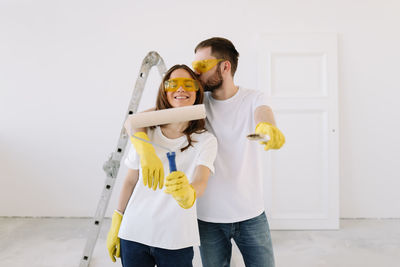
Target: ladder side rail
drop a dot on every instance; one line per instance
(112, 165)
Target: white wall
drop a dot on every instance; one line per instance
(67, 70)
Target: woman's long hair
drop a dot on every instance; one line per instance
(195, 126)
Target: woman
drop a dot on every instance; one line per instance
(160, 227)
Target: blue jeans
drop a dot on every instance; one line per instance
(135, 254)
(251, 236)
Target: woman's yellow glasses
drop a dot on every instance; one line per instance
(202, 66)
(187, 84)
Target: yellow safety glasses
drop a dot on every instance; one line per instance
(188, 84)
(202, 66)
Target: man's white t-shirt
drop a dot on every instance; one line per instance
(154, 218)
(235, 191)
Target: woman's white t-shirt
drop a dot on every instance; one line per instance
(154, 218)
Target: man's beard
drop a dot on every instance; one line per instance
(214, 82)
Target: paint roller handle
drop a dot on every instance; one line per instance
(171, 160)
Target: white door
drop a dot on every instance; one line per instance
(299, 74)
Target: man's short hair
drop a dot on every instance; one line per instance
(221, 48)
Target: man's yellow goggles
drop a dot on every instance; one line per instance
(202, 66)
(188, 84)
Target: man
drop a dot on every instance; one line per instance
(233, 205)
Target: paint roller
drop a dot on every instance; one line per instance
(165, 116)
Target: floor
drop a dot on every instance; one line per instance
(53, 242)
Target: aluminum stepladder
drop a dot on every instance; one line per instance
(111, 166)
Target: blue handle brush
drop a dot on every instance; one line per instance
(170, 153)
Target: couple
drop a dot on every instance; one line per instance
(160, 227)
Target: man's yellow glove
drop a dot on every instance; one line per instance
(276, 137)
(113, 244)
(152, 167)
(178, 186)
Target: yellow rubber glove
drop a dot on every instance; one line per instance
(178, 186)
(276, 137)
(152, 167)
(113, 244)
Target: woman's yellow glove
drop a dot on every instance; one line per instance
(178, 186)
(113, 245)
(276, 137)
(152, 167)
